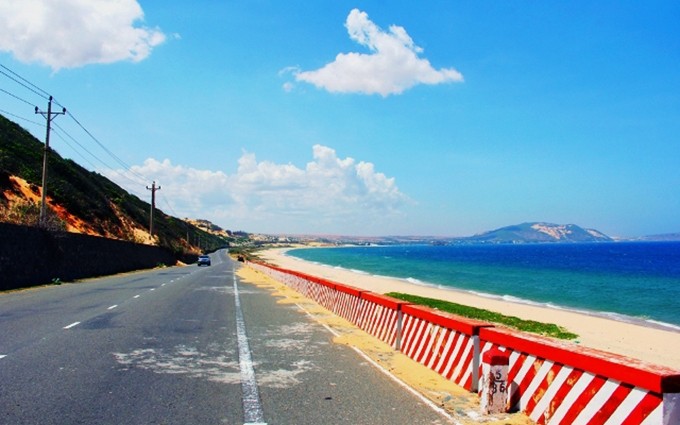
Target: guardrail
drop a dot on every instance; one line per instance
(552, 382)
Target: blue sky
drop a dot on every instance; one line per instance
(333, 117)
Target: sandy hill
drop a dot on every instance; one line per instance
(82, 201)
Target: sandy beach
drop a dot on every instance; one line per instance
(650, 344)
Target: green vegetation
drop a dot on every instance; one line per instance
(545, 329)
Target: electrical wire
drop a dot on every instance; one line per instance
(22, 84)
(30, 86)
(7, 113)
(17, 97)
(165, 200)
(129, 174)
(101, 145)
(102, 162)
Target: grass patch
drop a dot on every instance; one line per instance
(545, 329)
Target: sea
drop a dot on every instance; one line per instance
(636, 282)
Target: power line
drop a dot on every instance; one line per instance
(129, 173)
(29, 86)
(44, 94)
(101, 161)
(25, 80)
(114, 156)
(61, 130)
(17, 97)
(63, 135)
(174, 214)
(7, 113)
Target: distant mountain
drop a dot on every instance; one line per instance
(539, 232)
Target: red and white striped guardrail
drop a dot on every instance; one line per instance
(380, 316)
(559, 383)
(445, 343)
(552, 382)
(348, 303)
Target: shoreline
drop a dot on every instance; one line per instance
(617, 317)
(634, 338)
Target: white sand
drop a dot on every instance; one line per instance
(650, 344)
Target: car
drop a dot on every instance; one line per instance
(203, 260)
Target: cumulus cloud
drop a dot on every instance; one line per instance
(328, 194)
(392, 66)
(74, 33)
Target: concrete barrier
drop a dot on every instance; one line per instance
(560, 383)
(380, 316)
(348, 302)
(446, 343)
(552, 382)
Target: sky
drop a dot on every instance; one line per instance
(364, 118)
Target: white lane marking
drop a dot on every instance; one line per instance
(136, 296)
(386, 372)
(72, 325)
(2, 356)
(163, 284)
(252, 408)
(152, 289)
(112, 307)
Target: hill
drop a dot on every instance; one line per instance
(83, 201)
(539, 232)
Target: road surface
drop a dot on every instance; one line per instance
(183, 345)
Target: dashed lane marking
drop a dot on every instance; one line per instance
(72, 325)
(112, 307)
(136, 296)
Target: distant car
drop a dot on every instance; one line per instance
(203, 260)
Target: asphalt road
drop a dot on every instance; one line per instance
(183, 345)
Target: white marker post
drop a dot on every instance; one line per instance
(494, 395)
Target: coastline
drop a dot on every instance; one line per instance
(642, 341)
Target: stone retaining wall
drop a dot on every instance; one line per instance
(31, 256)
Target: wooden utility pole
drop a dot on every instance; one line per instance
(43, 196)
(153, 190)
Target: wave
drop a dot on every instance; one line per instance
(518, 300)
(641, 321)
(638, 320)
(664, 325)
(414, 280)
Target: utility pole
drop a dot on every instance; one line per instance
(153, 190)
(48, 116)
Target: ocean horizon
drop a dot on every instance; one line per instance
(635, 282)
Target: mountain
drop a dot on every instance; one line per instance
(83, 201)
(539, 232)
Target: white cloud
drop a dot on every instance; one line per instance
(330, 194)
(74, 33)
(392, 66)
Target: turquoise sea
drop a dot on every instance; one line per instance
(629, 281)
